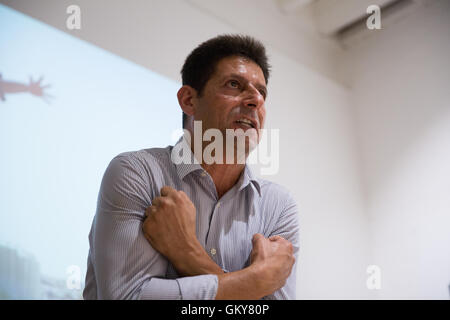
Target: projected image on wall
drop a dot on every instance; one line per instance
(66, 109)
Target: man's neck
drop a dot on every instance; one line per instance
(224, 176)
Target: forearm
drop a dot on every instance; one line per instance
(240, 285)
(195, 261)
(13, 87)
(245, 284)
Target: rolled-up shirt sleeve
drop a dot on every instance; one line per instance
(202, 287)
(121, 262)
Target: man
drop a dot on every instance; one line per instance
(167, 229)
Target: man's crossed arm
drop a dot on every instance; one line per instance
(122, 264)
(170, 229)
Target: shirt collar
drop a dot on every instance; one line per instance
(186, 167)
(247, 178)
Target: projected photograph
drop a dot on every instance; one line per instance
(67, 108)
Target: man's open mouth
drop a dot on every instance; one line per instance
(246, 122)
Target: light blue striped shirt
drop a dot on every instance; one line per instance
(123, 265)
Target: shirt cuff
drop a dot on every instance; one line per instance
(202, 287)
(161, 289)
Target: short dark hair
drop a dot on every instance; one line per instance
(202, 61)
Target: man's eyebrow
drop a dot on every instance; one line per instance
(235, 75)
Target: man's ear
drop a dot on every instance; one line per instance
(186, 97)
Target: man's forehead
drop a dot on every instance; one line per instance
(240, 66)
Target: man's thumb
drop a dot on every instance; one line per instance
(256, 238)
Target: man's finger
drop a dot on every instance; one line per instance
(150, 210)
(156, 201)
(275, 238)
(257, 237)
(166, 190)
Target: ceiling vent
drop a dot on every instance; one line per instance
(345, 20)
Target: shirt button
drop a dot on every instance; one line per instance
(203, 174)
(218, 204)
(213, 251)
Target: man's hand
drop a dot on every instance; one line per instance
(273, 258)
(271, 262)
(170, 229)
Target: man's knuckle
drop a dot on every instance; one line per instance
(177, 196)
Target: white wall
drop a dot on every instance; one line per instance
(318, 162)
(318, 152)
(400, 92)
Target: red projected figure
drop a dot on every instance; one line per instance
(33, 87)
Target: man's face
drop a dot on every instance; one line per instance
(233, 98)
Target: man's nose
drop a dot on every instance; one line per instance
(253, 98)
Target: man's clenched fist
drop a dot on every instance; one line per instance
(170, 222)
(170, 229)
(273, 257)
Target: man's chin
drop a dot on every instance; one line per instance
(241, 143)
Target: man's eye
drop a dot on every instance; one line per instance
(233, 84)
(263, 93)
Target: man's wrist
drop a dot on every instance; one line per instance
(263, 279)
(243, 284)
(255, 277)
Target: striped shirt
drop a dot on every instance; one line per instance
(123, 265)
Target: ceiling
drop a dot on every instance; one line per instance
(321, 19)
(315, 33)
